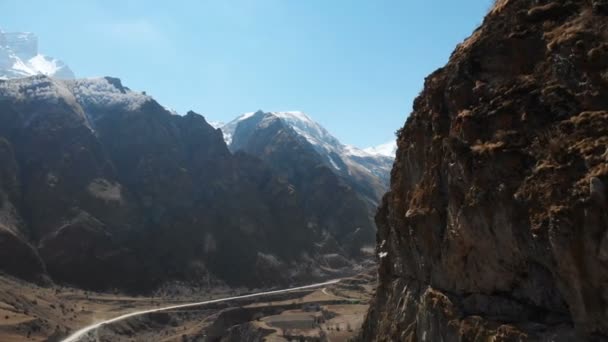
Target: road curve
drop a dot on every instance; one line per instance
(84, 331)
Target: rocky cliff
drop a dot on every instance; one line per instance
(496, 223)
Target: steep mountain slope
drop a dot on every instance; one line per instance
(366, 172)
(496, 223)
(334, 208)
(102, 187)
(19, 57)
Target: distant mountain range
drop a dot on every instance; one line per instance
(102, 187)
(310, 129)
(19, 57)
(365, 170)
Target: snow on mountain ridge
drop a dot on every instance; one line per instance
(106, 92)
(216, 124)
(313, 132)
(387, 149)
(84, 96)
(34, 89)
(345, 160)
(316, 134)
(43, 90)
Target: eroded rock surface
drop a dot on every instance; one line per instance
(496, 225)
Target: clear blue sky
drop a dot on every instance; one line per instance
(355, 66)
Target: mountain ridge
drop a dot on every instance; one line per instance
(369, 171)
(102, 187)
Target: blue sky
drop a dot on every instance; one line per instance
(355, 66)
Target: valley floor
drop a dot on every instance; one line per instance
(332, 313)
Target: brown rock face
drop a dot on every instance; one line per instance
(496, 225)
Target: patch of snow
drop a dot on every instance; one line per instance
(227, 137)
(316, 134)
(216, 124)
(245, 116)
(267, 121)
(333, 163)
(50, 67)
(21, 67)
(170, 110)
(382, 254)
(355, 151)
(229, 128)
(44, 65)
(387, 149)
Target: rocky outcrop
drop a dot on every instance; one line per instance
(496, 223)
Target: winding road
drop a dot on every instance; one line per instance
(76, 336)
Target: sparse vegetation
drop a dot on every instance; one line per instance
(487, 148)
(399, 132)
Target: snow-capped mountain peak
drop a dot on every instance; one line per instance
(313, 132)
(19, 58)
(345, 160)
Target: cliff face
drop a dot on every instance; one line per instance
(496, 223)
